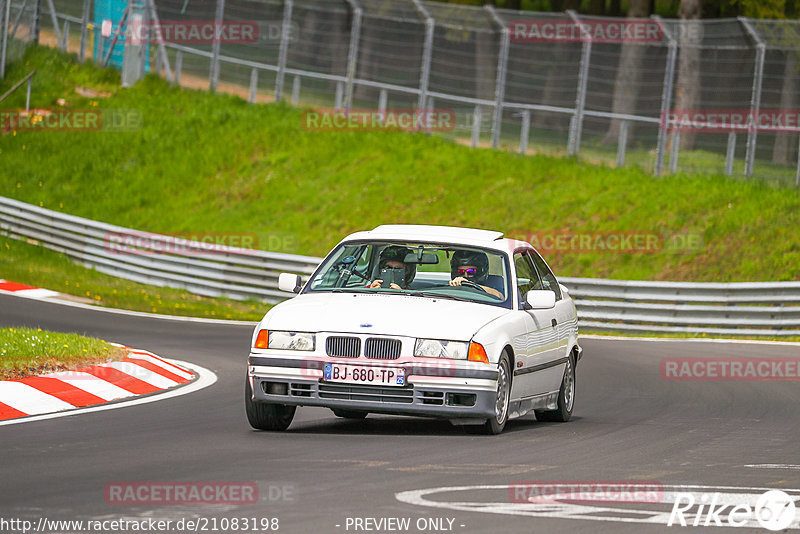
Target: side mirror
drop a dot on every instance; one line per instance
(540, 299)
(291, 283)
(564, 289)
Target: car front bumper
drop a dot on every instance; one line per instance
(444, 389)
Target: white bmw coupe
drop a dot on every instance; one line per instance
(454, 323)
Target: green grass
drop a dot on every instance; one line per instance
(213, 163)
(40, 267)
(28, 352)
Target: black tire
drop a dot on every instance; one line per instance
(566, 398)
(349, 414)
(266, 416)
(496, 424)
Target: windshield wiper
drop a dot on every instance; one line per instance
(433, 294)
(369, 291)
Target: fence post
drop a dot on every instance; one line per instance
(673, 157)
(37, 20)
(54, 21)
(383, 97)
(178, 66)
(28, 95)
(755, 98)
(576, 125)
(427, 53)
(65, 36)
(162, 50)
(622, 143)
(476, 126)
(730, 153)
(253, 85)
(525, 131)
(797, 174)
(666, 96)
(84, 28)
(6, 15)
(283, 52)
(352, 54)
(500, 83)
(219, 17)
(338, 97)
(296, 90)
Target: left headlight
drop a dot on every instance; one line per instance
(276, 339)
(437, 348)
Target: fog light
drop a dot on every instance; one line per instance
(461, 399)
(275, 388)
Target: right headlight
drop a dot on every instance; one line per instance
(437, 348)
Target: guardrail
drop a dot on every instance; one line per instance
(750, 308)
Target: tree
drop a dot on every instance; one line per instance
(687, 94)
(629, 73)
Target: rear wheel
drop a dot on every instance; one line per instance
(496, 424)
(266, 416)
(566, 398)
(349, 414)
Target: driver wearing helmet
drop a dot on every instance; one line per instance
(393, 257)
(471, 266)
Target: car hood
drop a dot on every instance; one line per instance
(398, 315)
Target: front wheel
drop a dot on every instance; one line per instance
(265, 416)
(496, 424)
(566, 398)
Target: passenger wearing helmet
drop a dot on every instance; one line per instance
(471, 266)
(393, 257)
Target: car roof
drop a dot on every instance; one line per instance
(444, 234)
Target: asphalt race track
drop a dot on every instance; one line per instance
(629, 424)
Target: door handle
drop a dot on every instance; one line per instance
(553, 322)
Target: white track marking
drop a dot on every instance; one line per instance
(30, 400)
(597, 511)
(36, 293)
(149, 357)
(140, 373)
(794, 467)
(91, 384)
(205, 378)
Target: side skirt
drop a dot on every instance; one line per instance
(545, 401)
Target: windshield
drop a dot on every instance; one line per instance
(431, 270)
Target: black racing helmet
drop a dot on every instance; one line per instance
(398, 253)
(462, 258)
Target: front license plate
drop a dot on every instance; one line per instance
(360, 374)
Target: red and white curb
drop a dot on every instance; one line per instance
(139, 373)
(26, 291)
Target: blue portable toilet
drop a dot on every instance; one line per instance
(107, 16)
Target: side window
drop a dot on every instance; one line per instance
(527, 278)
(548, 278)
